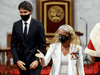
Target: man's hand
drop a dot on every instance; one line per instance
(20, 65)
(34, 64)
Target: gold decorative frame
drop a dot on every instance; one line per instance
(41, 6)
(45, 20)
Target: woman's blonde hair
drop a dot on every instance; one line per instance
(68, 29)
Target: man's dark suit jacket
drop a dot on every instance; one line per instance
(35, 40)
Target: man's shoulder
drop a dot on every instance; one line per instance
(36, 21)
(18, 21)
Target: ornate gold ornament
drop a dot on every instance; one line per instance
(56, 13)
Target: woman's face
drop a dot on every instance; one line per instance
(64, 34)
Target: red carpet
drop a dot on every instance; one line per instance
(93, 70)
(44, 71)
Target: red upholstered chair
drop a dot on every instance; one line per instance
(93, 70)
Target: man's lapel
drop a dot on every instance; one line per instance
(21, 29)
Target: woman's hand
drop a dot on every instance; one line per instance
(41, 56)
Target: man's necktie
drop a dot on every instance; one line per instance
(25, 31)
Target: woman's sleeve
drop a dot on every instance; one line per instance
(80, 63)
(48, 55)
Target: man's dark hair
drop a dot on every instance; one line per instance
(25, 5)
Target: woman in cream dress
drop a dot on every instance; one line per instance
(64, 52)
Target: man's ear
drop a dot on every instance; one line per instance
(30, 12)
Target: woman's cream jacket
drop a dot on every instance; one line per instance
(54, 52)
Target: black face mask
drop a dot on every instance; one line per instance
(25, 17)
(63, 38)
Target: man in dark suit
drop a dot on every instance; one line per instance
(27, 36)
